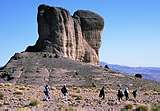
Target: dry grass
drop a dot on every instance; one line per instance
(23, 109)
(70, 108)
(8, 84)
(77, 97)
(1, 84)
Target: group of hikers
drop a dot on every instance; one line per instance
(120, 94)
(47, 89)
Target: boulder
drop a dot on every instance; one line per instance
(106, 66)
(138, 75)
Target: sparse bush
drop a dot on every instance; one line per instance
(157, 89)
(155, 107)
(128, 106)
(18, 92)
(45, 55)
(142, 108)
(155, 93)
(21, 87)
(75, 88)
(34, 102)
(70, 108)
(78, 91)
(146, 93)
(77, 97)
(93, 84)
(1, 95)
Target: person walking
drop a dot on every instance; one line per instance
(126, 93)
(134, 93)
(46, 92)
(120, 94)
(102, 93)
(64, 92)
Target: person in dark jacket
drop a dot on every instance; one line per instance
(120, 94)
(126, 93)
(134, 93)
(64, 90)
(102, 93)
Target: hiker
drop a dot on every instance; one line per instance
(126, 93)
(64, 90)
(134, 93)
(102, 93)
(46, 92)
(120, 94)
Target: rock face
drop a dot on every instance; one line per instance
(77, 37)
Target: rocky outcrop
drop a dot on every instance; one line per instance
(77, 37)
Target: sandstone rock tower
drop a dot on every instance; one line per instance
(77, 37)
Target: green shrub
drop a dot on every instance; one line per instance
(142, 108)
(34, 102)
(155, 107)
(129, 106)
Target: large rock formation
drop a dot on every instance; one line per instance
(77, 37)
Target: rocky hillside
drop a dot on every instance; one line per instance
(41, 68)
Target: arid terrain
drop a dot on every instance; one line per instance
(30, 98)
(84, 81)
(67, 52)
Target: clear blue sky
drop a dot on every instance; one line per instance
(131, 35)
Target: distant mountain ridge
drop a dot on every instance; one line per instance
(151, 73)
